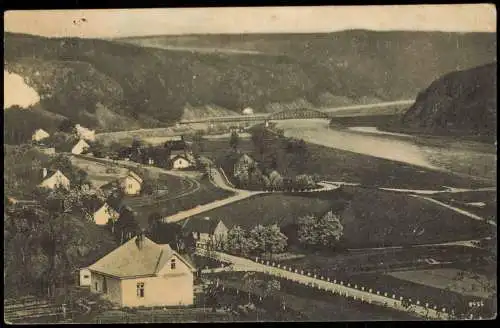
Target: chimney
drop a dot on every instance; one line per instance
(139, 241)
(44, 173)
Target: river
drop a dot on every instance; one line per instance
(395, 148)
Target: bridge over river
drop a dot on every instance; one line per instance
(301, 113)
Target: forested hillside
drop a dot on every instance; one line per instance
(463, 102)
(113, 85)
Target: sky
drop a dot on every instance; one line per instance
(107, 23)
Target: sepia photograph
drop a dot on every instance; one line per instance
(250, 164)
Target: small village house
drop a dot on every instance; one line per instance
(80, 147)
(206, 230)
(131, 184)
(84, 277)
(242, 164)
(40, 134)
(84, 133)
(247, 111)
(53, 179)
(143, 273)
(104, 214)
(181, 161)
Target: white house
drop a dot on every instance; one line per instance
(180, 161)
(104, 214)
(143, 273)
(247, 111)
(40, 134)
(80, 147)
(84, 277)
(131, 184)
(84, 133)
(54, 179)
(205, 230)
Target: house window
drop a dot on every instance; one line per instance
(86, 276)
(140, 289)
(129, 186)
(104, 286)
(96, 289)
(172, 264)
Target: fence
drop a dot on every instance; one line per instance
(357, 292)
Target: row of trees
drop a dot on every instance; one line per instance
(255, 179)
(261, 240)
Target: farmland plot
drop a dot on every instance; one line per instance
(470, 284)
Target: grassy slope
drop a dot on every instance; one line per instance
(149, 86)
(270, 209)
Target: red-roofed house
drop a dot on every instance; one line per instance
(143, 273)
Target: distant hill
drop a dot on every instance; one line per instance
(462, 102)
(113, 85)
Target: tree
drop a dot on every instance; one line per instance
(267, 239)
(149, 187)
(251, 283)
(126, 225)
(198, 142)
(234, 140)
(271, 287)
(154, 222)
(260, 139)
(67, 126)
(276, 181)
(325, 231)
(304, 182)
(97, 148)
(237, 241)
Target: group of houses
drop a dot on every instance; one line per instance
(82, 134)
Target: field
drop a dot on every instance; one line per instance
(270, 209)
(471, 284)
(370, 218)
(352, 262)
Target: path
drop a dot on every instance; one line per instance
(458, 210)
(240, 195)
(335, 287)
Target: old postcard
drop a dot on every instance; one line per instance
(250, 164)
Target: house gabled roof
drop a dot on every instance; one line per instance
(201, 225)
(245, 158)
(81, 141)
(50, 174)
(128, 260)
(41, 131)
(135, 176)
(188, 158)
